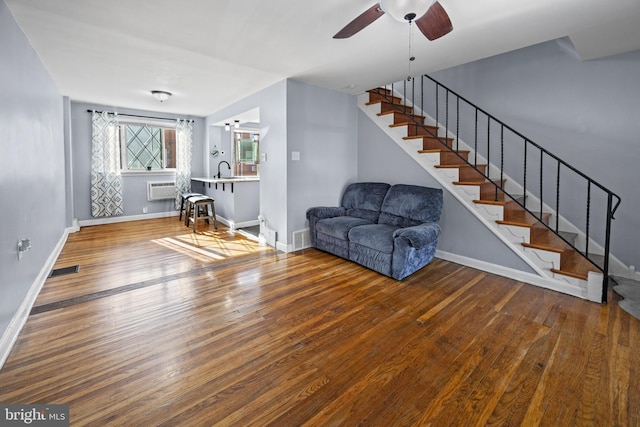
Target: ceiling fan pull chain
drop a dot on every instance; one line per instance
(411, 57)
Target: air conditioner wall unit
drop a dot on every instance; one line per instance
(161, 190)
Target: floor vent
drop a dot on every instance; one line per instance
(301, 239)
(64, 270)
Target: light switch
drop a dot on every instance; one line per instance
(295, 155)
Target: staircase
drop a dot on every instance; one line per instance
(431, 122)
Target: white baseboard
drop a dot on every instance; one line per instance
(116, 219)
(511, 273)
(284, 247)
(18, 321)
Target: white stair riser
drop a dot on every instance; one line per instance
(490, 212)
(450, 174)
(515, 234)
(468, 192)
(544, 259)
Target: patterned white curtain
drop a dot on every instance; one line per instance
(106, 179)
(184, 135)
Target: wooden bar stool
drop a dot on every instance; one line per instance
(183, 203)
(200, 208)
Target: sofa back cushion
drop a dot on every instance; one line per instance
(364, 199)
(408, 205)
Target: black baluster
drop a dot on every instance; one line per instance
(446, 118)
(457, 123)
(586, 247)
(541, 182)
(524, 201)
(475, 141)
(501, 161)
(558, 197)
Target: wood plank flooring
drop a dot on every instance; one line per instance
(164, 327)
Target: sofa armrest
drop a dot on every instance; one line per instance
(419, 236)
(320, 212)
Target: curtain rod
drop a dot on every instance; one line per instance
(135, 115)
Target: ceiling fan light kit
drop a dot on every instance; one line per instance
(405, 10)
(433, 20)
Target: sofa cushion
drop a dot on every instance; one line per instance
(364, 199)
(339, 226)
(374, 236)
(370, 216)
(409, 205)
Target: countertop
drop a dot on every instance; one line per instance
(226, 179)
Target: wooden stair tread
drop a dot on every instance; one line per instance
(439, 150)
(380, 89)
(522, 219)
(493, 202)
(458, 166)
(471, 182)
(490, 202)
(451, 166)
(427, 136)
(547, 241)
(422, 137)
(420, 129)
(395, 125)
(383, 95)
(399, 111)
(573, 264)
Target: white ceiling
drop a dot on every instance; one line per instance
(210, 53)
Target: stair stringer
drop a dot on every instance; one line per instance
(590, 289)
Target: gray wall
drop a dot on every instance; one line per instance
(583, 111)
(322, 128)
(32, 165)
(134, 187)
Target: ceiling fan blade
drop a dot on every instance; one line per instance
(435, 22)
(366, 18)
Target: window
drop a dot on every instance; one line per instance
(147, 147)
(246, 152)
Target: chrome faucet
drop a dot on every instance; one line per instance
(228, 165)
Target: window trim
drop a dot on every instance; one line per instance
(158, 123)
(234, 155)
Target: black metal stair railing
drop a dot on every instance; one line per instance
(508, 152)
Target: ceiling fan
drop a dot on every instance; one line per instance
(433, 20)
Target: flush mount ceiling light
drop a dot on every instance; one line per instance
(161, 95)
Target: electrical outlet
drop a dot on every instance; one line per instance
(23, 246)
(145, 210)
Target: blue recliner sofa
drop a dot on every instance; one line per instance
(392, 229)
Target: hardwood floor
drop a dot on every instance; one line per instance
(164, 327)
